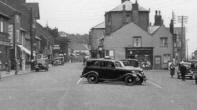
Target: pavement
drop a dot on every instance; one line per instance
(4, 74)
(62, 89)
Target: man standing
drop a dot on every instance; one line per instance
(172, 69)
(183, 71)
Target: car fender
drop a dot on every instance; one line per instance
(130, 74)
(90, 72)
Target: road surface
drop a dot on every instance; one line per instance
(62, 89)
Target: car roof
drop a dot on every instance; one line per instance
(102, 59)
(129, 59)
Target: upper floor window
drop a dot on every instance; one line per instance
(137, 41)
(164, 42)
(1, 26)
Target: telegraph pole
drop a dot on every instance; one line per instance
(32, 26)
(183, 21)
(173, 34)
(14, 45)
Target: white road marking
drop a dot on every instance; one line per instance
(79, 80)
(156, 85)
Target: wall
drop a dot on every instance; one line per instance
(116, 20)
(123, 37)
(95, 35)
(158, 50)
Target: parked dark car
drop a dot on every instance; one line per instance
(189, 73)
(39, 66)
(97, 70)
(194, 69)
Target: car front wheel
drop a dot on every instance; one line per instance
(92, 78)
(130, 80)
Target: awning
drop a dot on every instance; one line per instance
(24, 49)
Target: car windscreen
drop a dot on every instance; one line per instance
(92, 63)
(133, 63)
(126, 63)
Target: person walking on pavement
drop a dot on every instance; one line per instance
(183, 71)
(172, 70)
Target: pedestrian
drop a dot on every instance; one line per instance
(194, 69)
(172, 69)
(183, 71)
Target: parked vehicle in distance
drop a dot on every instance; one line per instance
(98, 70)
(39, 66)
(189, 73)
(41, 63)
(194, 69)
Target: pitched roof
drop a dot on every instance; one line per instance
(128, 7)
(7, 10)
(41, 32)
(100, 26)
(35, 9)
(153, 29)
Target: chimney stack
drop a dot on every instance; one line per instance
(158, 18)
(135, 6)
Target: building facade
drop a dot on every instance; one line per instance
(4, 41)
(128, 34)
(96, 36)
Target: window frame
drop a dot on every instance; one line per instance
(164, 42)
(1, 25)
(139, 43)
(166, 58)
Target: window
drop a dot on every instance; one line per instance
(137, 41)
(109, 53)
(1, 26)
(164, 42)
(166, 58)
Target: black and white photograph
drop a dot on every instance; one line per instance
(98, 55)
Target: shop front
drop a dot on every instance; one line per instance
(143, 54)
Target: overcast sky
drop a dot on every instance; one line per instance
(78, 16)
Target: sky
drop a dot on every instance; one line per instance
(79, 16)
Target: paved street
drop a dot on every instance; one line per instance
(61, 89)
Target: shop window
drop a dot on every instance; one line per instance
(166, 58)
(1, 26)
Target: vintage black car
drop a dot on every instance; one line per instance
(97, 70)
(189, 73)
(39, 66)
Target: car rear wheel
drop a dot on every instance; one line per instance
(130, 80)
(92, 78)
(139, 80)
